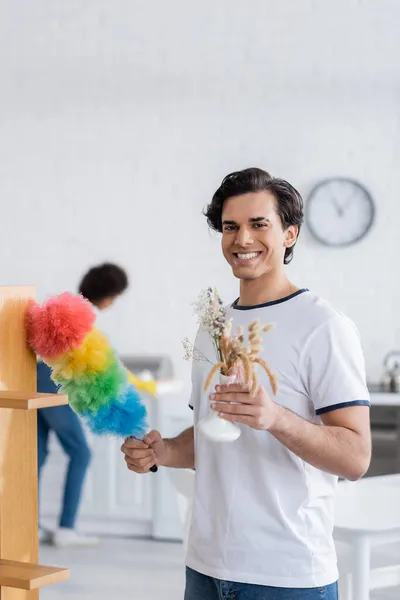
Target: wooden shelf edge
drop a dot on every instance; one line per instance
(29, 576)
(30, 401)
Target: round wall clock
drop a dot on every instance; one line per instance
(339, 211)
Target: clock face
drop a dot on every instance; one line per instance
(339, 212)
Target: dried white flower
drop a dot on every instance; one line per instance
(232, 350)
(211, 313)
(228, 327)
(192, 353)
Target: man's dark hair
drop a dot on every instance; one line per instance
(104, 281)
(289, 203)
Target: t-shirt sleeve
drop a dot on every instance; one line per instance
(335, 367)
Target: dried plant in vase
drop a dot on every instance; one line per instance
(236, 357)
(240, 357)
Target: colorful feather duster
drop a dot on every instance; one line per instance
(100, 390)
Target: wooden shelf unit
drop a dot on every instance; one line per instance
(28, 576)
(20, 573)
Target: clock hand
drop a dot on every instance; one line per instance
(339, 209)
(347, 203)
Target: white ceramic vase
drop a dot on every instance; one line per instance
(215, 428)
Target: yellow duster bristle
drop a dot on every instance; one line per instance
(93, 356)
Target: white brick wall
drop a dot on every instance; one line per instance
(118, 120)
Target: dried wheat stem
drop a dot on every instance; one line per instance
(247, 368)
(271, 376)
(250, 374)
(254, 385)
(253, 326)
(223, 346)
(211, 374)
(268, 328)
(256, 349)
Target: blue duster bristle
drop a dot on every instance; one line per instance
(123, 417)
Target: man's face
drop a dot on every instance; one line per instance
(253, 238)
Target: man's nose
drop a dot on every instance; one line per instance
(244, 237)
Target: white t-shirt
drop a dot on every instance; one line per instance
(262, 515)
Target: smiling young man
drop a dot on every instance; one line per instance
(263, 507)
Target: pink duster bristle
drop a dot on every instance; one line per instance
(59, 325)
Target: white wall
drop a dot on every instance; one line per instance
(119, 119)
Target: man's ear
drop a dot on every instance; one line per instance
(291, 234)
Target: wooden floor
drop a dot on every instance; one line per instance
(121, 569)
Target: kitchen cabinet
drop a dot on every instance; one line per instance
(117, 501)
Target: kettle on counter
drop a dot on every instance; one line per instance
(391, 377)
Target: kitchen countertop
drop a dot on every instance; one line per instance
(381, 398)
(375, 388)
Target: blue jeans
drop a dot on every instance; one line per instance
(201, 587)
(66, 425)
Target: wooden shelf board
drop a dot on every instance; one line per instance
(30, 401)
(28, 576)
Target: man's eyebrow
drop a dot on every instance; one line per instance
(251, 220)
(258, 219)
